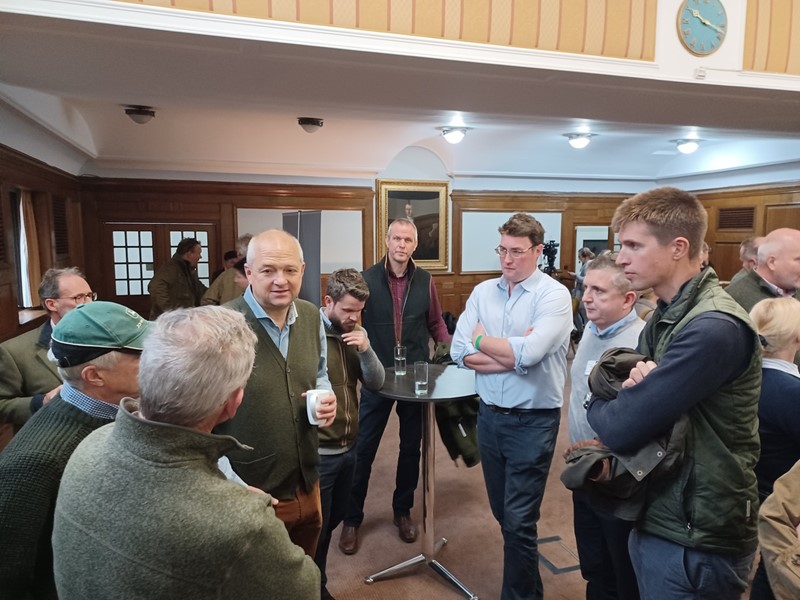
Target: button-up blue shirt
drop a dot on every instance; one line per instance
(280, 336)
(92, 407)
(540, 359)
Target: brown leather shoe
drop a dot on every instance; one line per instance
(348, 540)
(408, 530)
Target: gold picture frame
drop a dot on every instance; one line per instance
(425, 203)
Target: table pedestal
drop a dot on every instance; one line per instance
(430, 546)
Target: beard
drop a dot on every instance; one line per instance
(339, 327)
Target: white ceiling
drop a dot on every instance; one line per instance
(227, 109)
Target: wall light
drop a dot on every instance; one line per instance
(310, 124)
(687, 146)
(140, 114)
(454, 135)
(579, 140)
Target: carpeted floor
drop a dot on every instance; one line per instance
(474, 552)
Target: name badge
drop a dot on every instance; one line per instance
(589, 366)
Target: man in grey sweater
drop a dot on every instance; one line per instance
(143, 511)
(602, 540)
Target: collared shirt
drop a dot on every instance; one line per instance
(280, 336)
(780, 365)
(778, 291)
(622, 334)
(539, 374)
(92, 407)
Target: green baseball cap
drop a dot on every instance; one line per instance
(94, 329)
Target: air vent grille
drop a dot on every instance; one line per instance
(736, 218)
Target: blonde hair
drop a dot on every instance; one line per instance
(778, 323)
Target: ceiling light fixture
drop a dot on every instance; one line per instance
(140, 114)
(579, 140)
(310, 124)
(687, 146)
(454, 135)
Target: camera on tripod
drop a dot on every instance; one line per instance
(550, 252)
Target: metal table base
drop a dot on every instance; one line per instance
(430, 546)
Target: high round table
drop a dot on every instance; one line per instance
(445, 383)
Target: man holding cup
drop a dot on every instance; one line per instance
(403, 309)
(291, 359)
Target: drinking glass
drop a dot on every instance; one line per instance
(399, 360)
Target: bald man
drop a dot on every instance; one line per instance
(777, 272)
(291, 357)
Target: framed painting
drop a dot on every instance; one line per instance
(425, 204)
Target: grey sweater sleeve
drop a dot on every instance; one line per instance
(372, 372)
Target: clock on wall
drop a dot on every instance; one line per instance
(702, 26)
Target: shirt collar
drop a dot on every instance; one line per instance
(613, 329)
(261, 314)
(780, 365)
(778, 291)
(87, 404)
(527, 284)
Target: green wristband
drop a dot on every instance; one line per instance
(478, 342)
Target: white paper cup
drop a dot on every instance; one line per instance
(311, 405)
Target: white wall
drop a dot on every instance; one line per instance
(479, 238)
(341, 234)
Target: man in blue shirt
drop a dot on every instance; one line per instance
(514, 333)
(97, 346)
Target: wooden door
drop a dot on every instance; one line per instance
(132, 252)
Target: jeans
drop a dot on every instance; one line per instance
(516, 452)
(373, 414)
(668, 571)
(602, 542)
(336, 473)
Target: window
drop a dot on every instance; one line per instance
(133, 261)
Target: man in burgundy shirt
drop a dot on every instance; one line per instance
(403, 309)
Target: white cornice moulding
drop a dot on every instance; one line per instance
(185, 21)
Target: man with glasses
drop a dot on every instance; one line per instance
(514, 334)
(28, 380)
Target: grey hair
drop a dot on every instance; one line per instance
(72, 375)
(242, 242)
(256, 240)
(404, 221)
(50, 286)
(609, 263)
(193, 360)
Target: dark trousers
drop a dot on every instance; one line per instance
(760, 588)
(336, 473)
(373, 414)
(669, 571)
(516, 453)
(603, 551)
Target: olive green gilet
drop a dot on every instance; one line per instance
(712, 503)
(272, 417)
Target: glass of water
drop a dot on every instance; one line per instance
(420, 378)
(399, 360)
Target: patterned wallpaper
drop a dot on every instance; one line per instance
(612, 28)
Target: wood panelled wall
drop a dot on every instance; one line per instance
(49, 188)
(92, 202)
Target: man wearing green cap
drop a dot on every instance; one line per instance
(97, 347)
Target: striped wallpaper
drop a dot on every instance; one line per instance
(612, 28)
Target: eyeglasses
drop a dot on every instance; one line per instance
(81, 298)
(514, 252)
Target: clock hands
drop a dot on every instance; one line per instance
(706, 22)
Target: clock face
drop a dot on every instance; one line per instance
(702, 25)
